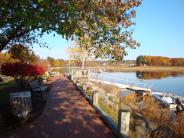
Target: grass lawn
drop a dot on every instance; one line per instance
(112, 112)
(5, 88)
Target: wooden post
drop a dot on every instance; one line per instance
(72, 74)
(78, 83)
(123, 123)
(84, 87)
(95, 96)
(88, 76)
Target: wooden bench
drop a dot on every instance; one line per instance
(37, 87)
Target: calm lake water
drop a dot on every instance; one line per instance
(170, 82)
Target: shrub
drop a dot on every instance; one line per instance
(148, 107)
(178, 124)
(130, 100)
(22, 72)
(140, 60)
(153, 109)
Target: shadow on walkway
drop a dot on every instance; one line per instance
(67, 115)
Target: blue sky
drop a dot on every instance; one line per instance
(159, 28)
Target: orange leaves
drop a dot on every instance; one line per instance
(178, 124)
(133, 13)
(160, 61)
(127, 23)
(130, 4)
(123, 7)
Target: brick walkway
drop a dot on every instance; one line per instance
(66, 115)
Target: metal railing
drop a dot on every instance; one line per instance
(125, 81)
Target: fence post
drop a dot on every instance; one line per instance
(84, 87)
(78, 83)
(72, 72)
(123, 123)
(95, 96)
(89, 72)
(71, 77)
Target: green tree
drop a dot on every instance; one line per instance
(55, 62)
(51, 61)
(23, 54)
(105, 22)
(140, 60)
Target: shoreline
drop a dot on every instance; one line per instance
(140, 68)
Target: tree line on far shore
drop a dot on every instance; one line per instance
(25, 55)
(53, 62)
(159, 61)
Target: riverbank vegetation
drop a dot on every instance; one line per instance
(159, 61)
(154, 110)
(108, 88)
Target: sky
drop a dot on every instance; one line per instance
(159, 28)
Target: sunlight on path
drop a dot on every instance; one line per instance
(67, 114)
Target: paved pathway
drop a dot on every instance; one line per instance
(67, 115)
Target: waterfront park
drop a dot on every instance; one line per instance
(91, 68)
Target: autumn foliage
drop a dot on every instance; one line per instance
(159, 61)
(104, 22)
(153, 110)
(178, 124)
(18, 69)
(156, 75)
(5, 57)
(21, 72)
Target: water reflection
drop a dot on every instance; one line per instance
(157, 75)
(171, 82)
